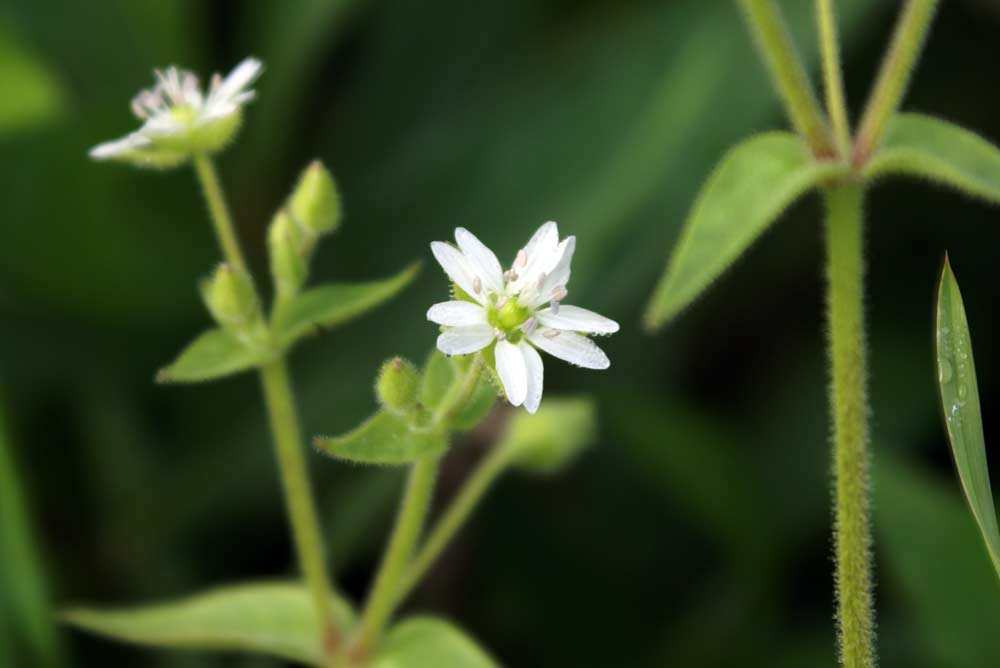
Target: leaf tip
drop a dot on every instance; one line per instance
(163, 376)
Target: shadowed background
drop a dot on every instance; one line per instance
(696, 533)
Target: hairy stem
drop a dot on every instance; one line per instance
(218, 211)
(887, 95)
(405, 534)
(788, 73)
(285, 430)
(852, 530)
(486, 473)
(833, 81)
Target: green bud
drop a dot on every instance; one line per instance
(315, 203)
(398, 385)
(551, 438)
(230, 297)
(288, 262)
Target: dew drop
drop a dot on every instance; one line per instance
(945, 372)
(963, 390)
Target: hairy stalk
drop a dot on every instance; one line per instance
(886, 96)
(788, 74)
(284, 420)
(852, 530)
(833, 81)
(486, 473)
(409, 525)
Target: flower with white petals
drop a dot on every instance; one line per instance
(517, 311)
(180, 119)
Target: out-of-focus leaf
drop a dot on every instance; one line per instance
(214, 354)
(960, 402)
(429, 642)
(274, 618)
(440, 374)
(749, 189)
(551, 438)
(331, 305)
(932, 554)
(25, 617)
(929, 148)
(34, 96)
(384, 438)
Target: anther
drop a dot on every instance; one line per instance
(477, 285)
(554, 307)
(529, 326)
(559, 293)
(522, 259)
(550, 333)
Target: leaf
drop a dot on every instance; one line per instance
(330, 305)
(214, 354)
(960, 402)
(39, 98)
(384, 438)
(275, 618)
(429, 642)
(925, 147)
(551, 438)
(440, 375)
(748, 190)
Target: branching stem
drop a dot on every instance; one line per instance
(833, 80)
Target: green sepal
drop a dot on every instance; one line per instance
(441, 374)
(214, 354)
(749, 189)
(929, 148)
(430, 642)
(546, 442)
(384, 438)
(327, 306)
(289, 259)
(275, 618)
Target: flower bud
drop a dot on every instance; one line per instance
(315, 203)
(230, 297)
(288, 262)
(548, 440)
(398, 385)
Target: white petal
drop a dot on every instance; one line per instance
(465, 340)
(459, 269)
(538, 253)
(557, 273)
(577, 319)
(571, 347)
(536, 374)
(127, 144)
(483, 261)
(457, 314)
(512, 371)
(545, 238)
(242, 76)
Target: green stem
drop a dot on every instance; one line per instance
(486, 473)
(409, 525)
(298, 494)
(887, 95)
(788, 73)
(833, 81)
(281, 410)
(459, 396)
(218, 211)
(852, 532)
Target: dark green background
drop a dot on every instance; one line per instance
(695, 534)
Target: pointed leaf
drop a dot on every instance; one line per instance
(330, 305)
(748, 190)
(384, 438)
(933, 149)
(214, 354)
(960, 401)
(429, 642)
(274, 618)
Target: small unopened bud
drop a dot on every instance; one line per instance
(398, 385)
(230, 297)
(315, 203)
(288, 262)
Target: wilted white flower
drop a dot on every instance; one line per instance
(518, 310)
(179, 119)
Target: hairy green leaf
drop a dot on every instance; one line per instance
(384, 438)
(960, 402)
(274, 618)
(754, 183)
(331, 305)
(214, 354)
(925, 147)
(429, 642)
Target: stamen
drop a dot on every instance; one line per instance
(522, 259)
(541, 281)
(477, 285)
(559, 293)
(137, 109)
(550, 333)
(529, 326)
(499, 334)
(501, 302)
(554, 307)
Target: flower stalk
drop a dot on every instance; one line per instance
(833, 80)
(218, 211)
(852, 521)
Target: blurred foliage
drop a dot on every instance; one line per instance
(696, 532)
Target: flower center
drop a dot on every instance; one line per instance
(182, 113)
(508, 318)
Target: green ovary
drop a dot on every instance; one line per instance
(508, 319)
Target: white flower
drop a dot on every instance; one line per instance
(178, 118)
(519, 309)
